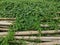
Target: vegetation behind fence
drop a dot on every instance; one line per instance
(36, 15)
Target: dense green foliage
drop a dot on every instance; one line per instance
(28, 14)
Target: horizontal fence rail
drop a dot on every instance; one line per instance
(33, 43)
(34, 38)
(7, 19)
(31, 32)
(3, 23)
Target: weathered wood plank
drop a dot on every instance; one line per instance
(34, 43)
(6, 23)
(46, 25)
(30, 32)
(34, 38)
(4, 29)
(51, 43)
(58, 12)
(2, 26)
(37, 38)
(7, 18)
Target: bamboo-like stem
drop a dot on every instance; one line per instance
(31, 32)
(33, 38)
(4, 29)
(15, 18)
(46, 25)
(33, 43)
(21, 33)
(56, 18)
(37, 38)
(7, 18)
(8, 23)
(46, 43)
(58, 12)
(51, 43)
(2, 26)
(5, 23)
